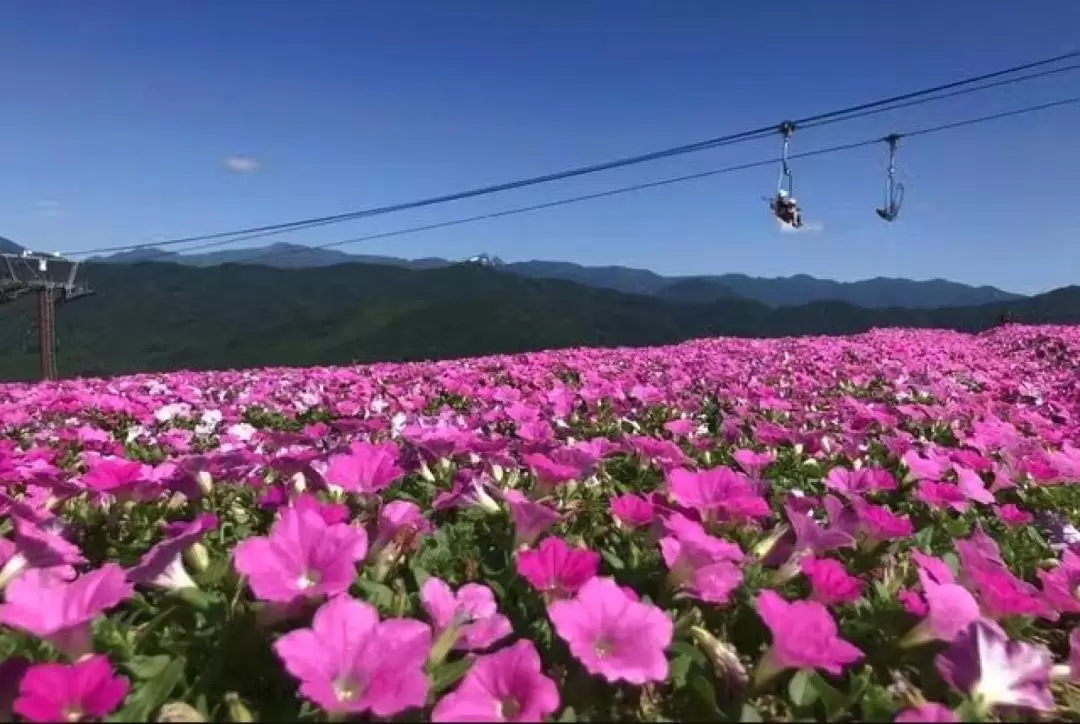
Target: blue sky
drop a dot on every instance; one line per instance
(116, 122)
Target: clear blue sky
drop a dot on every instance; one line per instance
(117, 117)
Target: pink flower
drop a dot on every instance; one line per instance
(39, 543)
(470, 619)
(557, 569)
(61, 612)
(1013, 516)
(984, 664)
(505, 686)
(830, 581)
(880, 523)
(632, 510)
(1060, 585)
(950, 609)
(366, 468)
(548, 472)
(612, 634)
(940, 495)
(804, 636)
(162, 566)
(931, 711)
(718, 491)
(701, 564)
(59, 692)
(912, 602)
(349, 661)
(302, 557)
(530, 519)
(752, 461)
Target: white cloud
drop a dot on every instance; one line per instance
(242, 164)
(49, 208)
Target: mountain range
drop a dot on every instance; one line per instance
(153, 316)
(877, 293)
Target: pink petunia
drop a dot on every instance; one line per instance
(1013, 516)
(302, 557)
(162, 566)
(804, 636)
(58, 692)
(718, 493)
(931, 711)
(702, 565)
(365, 468)
(350, 661)
(530, 518)
(60, 611)
(612, 634)
(830, 582)
(508, 685)
(466, 620)
(557, 569)
(632, 511)
(950, 609)
(1060, 585)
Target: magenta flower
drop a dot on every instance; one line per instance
(702, 565)
(508, 685)
(58, 692)
(1013, 516)
(632, 510)
(302, 557)
(556, 569)
(1061, 584)
(719, 493)
(830, 582)
(804, 636)
(467, 620)
(39, 544)
(879, 523)
(400, 528)
(163, 566)
(549, 472)
(950, 609)
(931, 711)
(365, 468)
(61, 612)
(612, 634)
(984, 664)
(530, 519)
(349, 661)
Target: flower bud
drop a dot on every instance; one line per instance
(205, 481)
(178, 711)
(197, 557)
(724, 658)
(237, 711)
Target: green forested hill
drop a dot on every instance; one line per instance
(155, 316)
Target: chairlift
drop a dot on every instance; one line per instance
(894, 192)
(783, 204)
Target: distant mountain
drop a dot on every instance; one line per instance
(877, 293)
(181, 317)
(7, 246)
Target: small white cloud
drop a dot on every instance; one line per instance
(242, 164)
(49, 208)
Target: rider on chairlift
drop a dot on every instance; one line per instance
(783, 205)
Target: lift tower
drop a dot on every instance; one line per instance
(28, 272)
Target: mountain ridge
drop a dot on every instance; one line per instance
(876, 293)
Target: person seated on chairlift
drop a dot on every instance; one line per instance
(787, 209)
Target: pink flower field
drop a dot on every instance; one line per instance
(873, 528)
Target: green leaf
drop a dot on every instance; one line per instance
(801, 691)
(835, 702)
(612, 560)
(702, 686)
(685, 648)
(419, 575)
(568, 715)
(680, 668)
(379, 595)
(149, 697)
(146, 667)
(448, 674)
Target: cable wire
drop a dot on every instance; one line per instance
(258, 258)
(819, 119)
